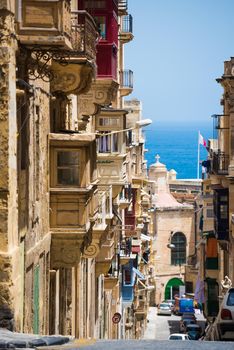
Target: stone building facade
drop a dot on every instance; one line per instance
(66, 175)
(217, 229)
(173, 242)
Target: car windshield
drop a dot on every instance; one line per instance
(176, 337)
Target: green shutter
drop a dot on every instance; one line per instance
(36, 300)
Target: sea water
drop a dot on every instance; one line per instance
(177, 146)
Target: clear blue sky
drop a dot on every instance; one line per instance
(177, 53)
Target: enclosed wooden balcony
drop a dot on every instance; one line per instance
(112, 169)
(45, 23)
(70, 225)
(126, 82)
(124, 199)
(73, 197)
(107, 251)
(141, 311)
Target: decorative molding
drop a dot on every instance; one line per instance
(66, 251)
(73, 78)
(101, 93)
(91, 251)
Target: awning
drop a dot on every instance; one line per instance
(145, 237)
(136, 249)
(138, 273)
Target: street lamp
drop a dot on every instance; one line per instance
(139, 124)
(142, 123)
(171, 246)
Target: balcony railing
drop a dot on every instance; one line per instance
(126, 79)
(122, 5)
(84, 33)
(220, 163)
(219, 123)
(127, 26)
(125, 247)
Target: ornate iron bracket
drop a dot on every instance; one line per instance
(38, 62)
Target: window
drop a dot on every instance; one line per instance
(223, 211)
(108, 143)
(209, 213)
(101, 23)
(127, 276)
(189, 287)
(108, 121)
(68, 168)
(178, 254)
(95, 4)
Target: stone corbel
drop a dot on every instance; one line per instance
(101, 93)
(66, 252)
(72, 78)
(99, 235)
(102, 267)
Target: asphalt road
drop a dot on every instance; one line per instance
(156, 345)
(156, 335)
(160, 327)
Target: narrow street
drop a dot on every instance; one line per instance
(160, 327)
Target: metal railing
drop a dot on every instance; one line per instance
(220, 163)
(127, 22)
(122, 5)
(218, 124)
(84, 33)
(126, 78)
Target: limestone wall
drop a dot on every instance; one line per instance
(8, 170)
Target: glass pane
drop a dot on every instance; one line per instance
(104, 144)
(178, 254)
(68, 176)
(115, 143)
(67, 158)
(223, 211)
(101, 23)
(114, 121)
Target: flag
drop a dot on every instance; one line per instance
(202, 141)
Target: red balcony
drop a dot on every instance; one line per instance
(107, 61)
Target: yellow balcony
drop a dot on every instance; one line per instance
(45, 23)
(110, 282)
(112, 168)
(107, 250)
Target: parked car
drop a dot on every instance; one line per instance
(178, 336)
(185, 322)
(171, 302)
(194, 331)
(164, 309)
(225, 317)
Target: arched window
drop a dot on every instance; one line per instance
(178, 254)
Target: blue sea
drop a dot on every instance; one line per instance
(177, 146)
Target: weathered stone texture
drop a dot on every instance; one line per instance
(8, 197)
